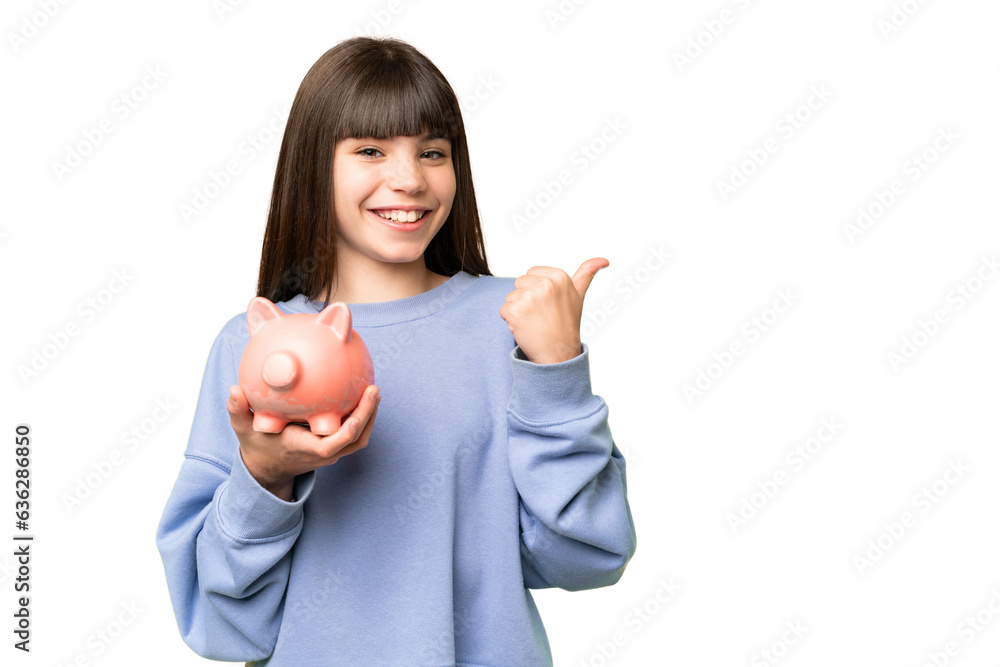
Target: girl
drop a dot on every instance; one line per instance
(491, 469)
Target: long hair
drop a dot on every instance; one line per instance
(376, 87)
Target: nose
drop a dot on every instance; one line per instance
(405, 174)
(280, 371)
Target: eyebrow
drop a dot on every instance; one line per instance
(433, 134)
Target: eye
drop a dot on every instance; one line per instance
(368, 151)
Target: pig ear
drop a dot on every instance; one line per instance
(337, 316)
(260, 311)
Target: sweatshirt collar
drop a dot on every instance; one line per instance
(382, 313)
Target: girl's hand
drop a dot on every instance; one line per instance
(274, 459)
(544, 311)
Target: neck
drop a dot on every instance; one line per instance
(372, 283)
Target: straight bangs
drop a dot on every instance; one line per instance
(384, 102)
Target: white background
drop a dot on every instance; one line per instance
(663, 135)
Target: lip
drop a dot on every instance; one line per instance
(403, 227)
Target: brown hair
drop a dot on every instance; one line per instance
(363, 87)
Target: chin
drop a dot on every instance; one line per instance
(406, 259)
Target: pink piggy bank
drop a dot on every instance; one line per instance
(300, 367)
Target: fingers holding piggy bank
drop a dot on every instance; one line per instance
(300, 368)
(275, 459)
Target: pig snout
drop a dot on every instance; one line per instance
(280, 371)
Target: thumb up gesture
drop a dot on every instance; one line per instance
(544, 311)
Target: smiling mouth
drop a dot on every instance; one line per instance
(403, 217)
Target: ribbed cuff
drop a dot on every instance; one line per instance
(552, 392)
(248, 511)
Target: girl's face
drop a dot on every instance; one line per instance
(403, 173)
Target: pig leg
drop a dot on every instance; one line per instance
(324, 423)
(268, 423)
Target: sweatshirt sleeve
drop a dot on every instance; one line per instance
(225, 541)
(576, 526)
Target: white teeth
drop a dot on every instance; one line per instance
(401, 216)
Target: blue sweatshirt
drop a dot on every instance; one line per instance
(485, 475)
